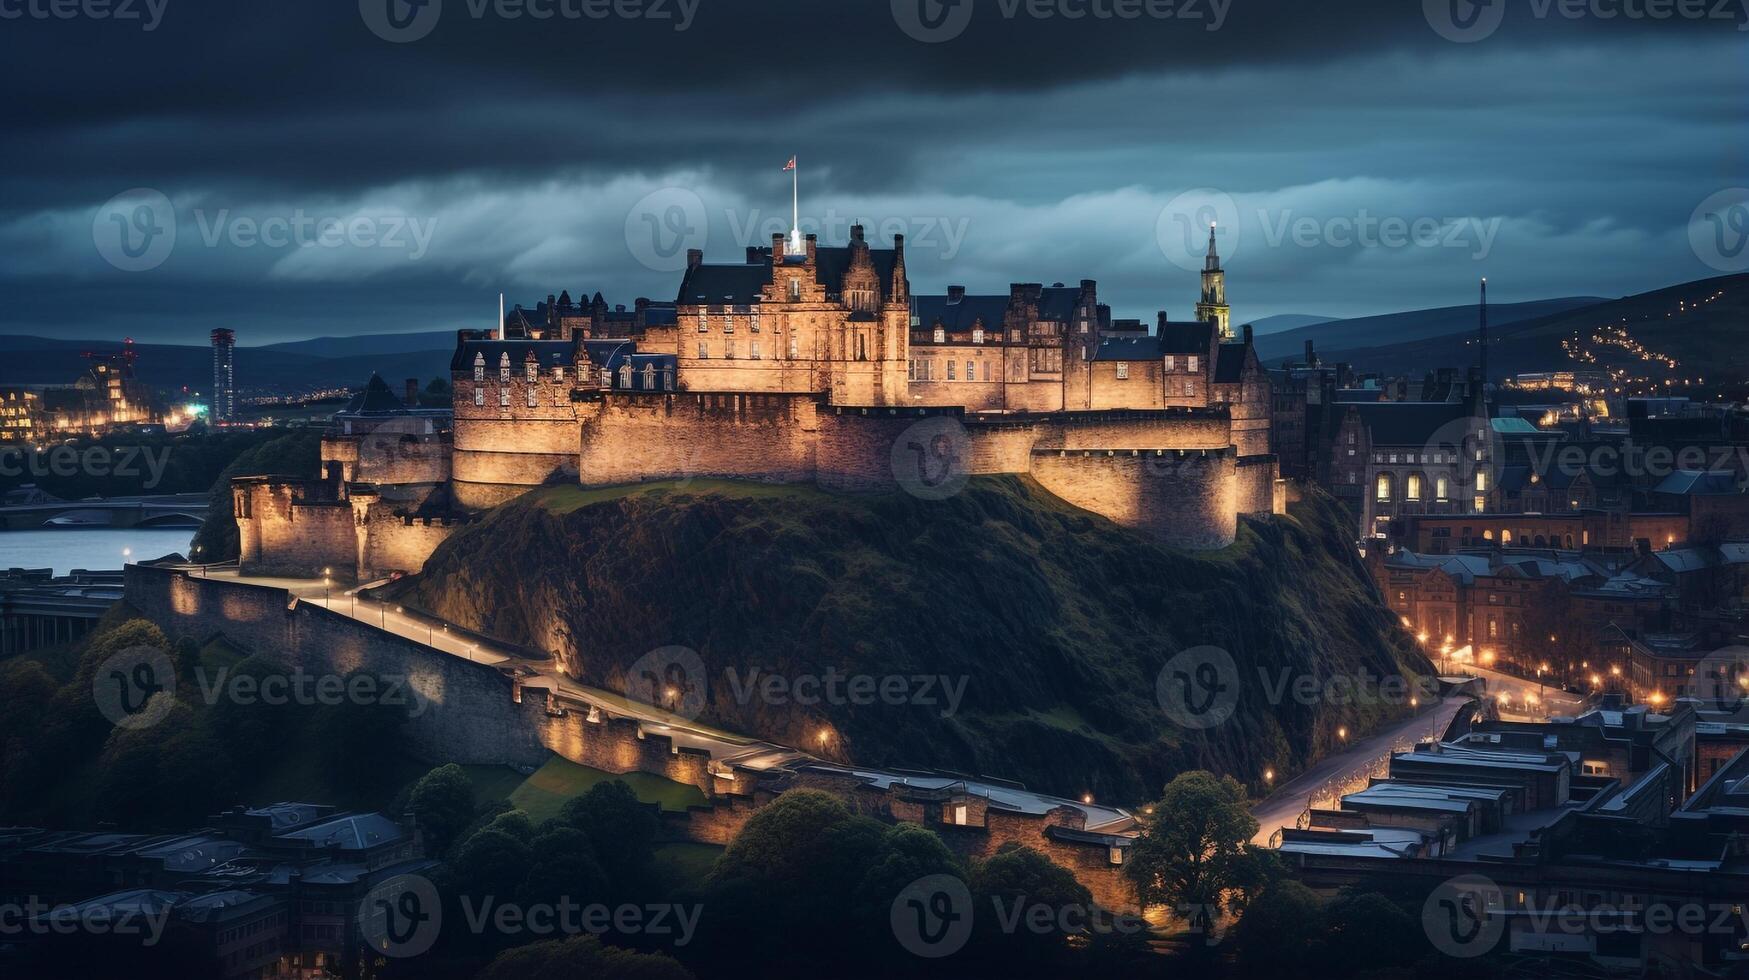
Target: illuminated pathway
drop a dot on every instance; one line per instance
(725, 747)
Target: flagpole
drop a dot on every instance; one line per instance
(795, 223)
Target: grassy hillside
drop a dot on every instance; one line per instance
(1360, 332)
(1056, 621)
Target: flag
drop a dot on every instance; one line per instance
(791, 165)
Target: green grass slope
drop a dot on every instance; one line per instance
(1057, 621)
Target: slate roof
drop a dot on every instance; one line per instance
(1185, 338)
(547, 353)
(1058, 303)
(830, 264)
(1697, 483)
(1230, 364)
(1407, 423)
(377, 398)
(960, 316)
(1145, 348)
(735, 285)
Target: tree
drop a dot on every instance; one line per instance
(1282, 931)
(443, 804)
(1008, 885)
(581, 956)
(1193, 843)
(623, 828)
(786, 840)
(491, 864)
(564, 866)
(1368, 932)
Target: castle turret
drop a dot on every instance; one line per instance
(1213, 306)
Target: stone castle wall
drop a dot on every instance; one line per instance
(496, 459)
(629, 437)
(391, 543)
(280, 533)
(1260, 491)
(474, 713)
(1183, 498)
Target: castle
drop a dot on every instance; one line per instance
(801, 363)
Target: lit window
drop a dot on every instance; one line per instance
(1414, 487)
(1442, 488)
(753, 349)
(940, 335)
(977, 335)
(1383, 491)
(1481, 481)
(479, 396)
(950, 369)
(1123, 370)
(1190, 362)
(1171, 362)
(971, 372)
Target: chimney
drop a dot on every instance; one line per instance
(1247, 330)
(1089, 288)
(694, 258)
(1311, 355)
(1160, 322)
(777, 246)
(641, 304)
(813, 242)
(956, 294)
(412, 392)
(752, 254)
(856, 233)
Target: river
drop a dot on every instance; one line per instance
(95, 549)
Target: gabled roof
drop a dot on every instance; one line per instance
(1407, 423)
(735, 285)
(547, 353)
(830, 265)
(1128, 349)
(1194, 337)
(1058, 303)
(376, 399)
(1230, 364)
(1697, 483)
(960, 316)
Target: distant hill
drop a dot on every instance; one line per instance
(45, 361)
(369, 344)
(1362, 332)
(1285, 321)
(1703, 324)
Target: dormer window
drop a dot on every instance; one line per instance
(977, 335)
(940, 335)
(531, 372)
(479, 366)
(795, 290)
(504, 366)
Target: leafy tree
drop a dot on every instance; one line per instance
(581, 956)
(1282, 932)
(353, 736)
(1193, 845)
(564, 866)
(623, 828)
(1018, 880)
(491, 864)
(1367, 932)
(786, 840)
(443, 804)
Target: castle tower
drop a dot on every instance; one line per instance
(1213, 307)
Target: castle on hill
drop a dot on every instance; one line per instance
(807, 364)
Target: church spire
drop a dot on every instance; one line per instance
(1482, 333)
(1213, 262)
(1213, 306)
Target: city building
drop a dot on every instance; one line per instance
(224, 398)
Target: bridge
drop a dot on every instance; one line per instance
(167, 510)
(38, 610)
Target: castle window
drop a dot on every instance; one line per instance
(503, 397)
(1171, 362)
(479, 366)
(753, 349)
(1123, 371)
(1190, 362)
(940, 335)
(1442, 488)
(533, 393)
(704, 350)
(479, 395)
(753, 322)
(792, 345)
(504, 366)
(1414, 487)
(795, 290)
(971, 372)
(986, 370)
(558, 373)
(649, 377)
(704, 322)
(531, 372)
(728, 350)
(1481, 481)
(625, 376)
(950, 371)
(1383, 490)
(977, 335)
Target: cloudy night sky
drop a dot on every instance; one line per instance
(463, 149)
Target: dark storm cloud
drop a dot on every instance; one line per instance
(1024, 147)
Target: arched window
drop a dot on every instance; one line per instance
(479, 366)
(795, 290)
(1414, 487)
(1383, 490)
(1441, 488)
(649, 377)
(625, 376)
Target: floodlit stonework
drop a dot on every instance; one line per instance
(807, 364)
